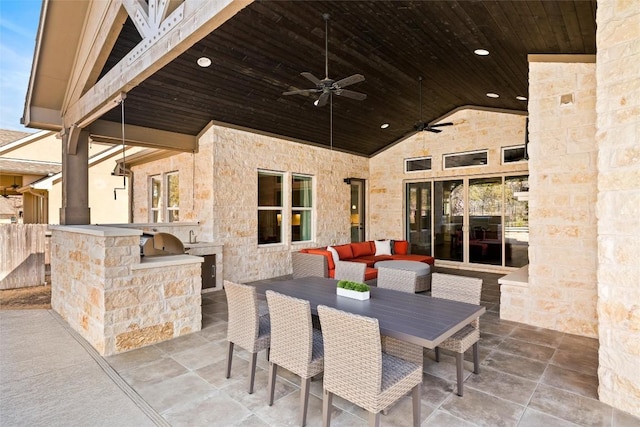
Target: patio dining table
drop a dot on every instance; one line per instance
(415, 318)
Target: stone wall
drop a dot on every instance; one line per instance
(561, 293)
(472, 130)
(225, 170)
(116, 303)
(618, 207)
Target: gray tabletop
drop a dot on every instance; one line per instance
(415, 318)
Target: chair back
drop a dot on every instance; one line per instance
(291, 332)
(352, 356)
(397, 280)
(243, 324)
(353, 271)
(456, 288)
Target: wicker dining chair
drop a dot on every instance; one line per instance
(247, 326)
(353, 271)
(295, 345)
(397, 280)
(363, 369)
(463, 289)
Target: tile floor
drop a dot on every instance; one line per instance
(528, 377)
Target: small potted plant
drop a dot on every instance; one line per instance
(355, 290)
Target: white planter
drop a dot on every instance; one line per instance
(353, 294)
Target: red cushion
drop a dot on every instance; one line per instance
(361, 249)
(327, 255)
(365, 260)
(370, 273)
(401, 247)
(344, 251)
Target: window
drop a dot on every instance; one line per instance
(165, 205)
(514, 154)
(471, 158)
(269, 207)
(173, 197)
(417, 164)
(156, 196)
(301, 208)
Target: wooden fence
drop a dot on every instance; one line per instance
(23, 254)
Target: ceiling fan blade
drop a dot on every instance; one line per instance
(441, 124)
(351, 94)
(311, 77)
(300, 91)
(430, 129)
(356, 78)
(323, 99)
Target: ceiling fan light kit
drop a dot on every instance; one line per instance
(327, 86)
(422, 125)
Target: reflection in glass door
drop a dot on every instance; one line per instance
(419, 217)
(448, 208)
(357, 210)
(485, 220)
(516, 221)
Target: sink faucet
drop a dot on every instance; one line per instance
(192, 237)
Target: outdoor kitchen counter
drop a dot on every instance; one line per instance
(116, 299)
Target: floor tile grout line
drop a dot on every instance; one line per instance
(137, 400)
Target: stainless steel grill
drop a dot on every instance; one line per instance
(160, 244)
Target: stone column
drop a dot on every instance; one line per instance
(618, 207)
(75, 181)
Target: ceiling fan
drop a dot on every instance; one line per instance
(424, 126)
(327, 86)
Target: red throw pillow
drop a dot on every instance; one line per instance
(344, 251)
(400, 247)
(327, 255)
(361, 249)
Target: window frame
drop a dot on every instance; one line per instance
(514, 147)
(484, 151)
(163, 210)
(416, 159)
(280, 209)
(310, 209)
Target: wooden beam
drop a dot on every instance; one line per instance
(111, 132)
(199, 19)
(100, 33)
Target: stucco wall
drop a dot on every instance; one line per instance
(618, 207)
(561, 293)
(225, 195)
(472, 130)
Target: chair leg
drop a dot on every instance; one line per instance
(437, 349)
(229, 356)
(273, 368)
(374, 419)
(476, 359)
(252, 371)
(326, 407)
(459, 371)
(304, 399)
(417, 391)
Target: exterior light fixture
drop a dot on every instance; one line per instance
(204, 62)
(493, 95)
(521, 98)
(481, 52)
(384, 125)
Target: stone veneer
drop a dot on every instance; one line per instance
(100, 287)
(224, 197)
(473, 130)
(618, 207)
(561, 293)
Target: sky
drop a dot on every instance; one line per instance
(18, 28)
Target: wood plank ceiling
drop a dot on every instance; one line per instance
(261, 51)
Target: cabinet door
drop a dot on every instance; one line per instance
(209, 271)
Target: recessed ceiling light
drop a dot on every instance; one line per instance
(493, 95)
(384, 125)
(521, 98)
(204, 62)
(481, 52)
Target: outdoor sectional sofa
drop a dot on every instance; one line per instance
(321, 262)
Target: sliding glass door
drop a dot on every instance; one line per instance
(480, 220)
(448, 206)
